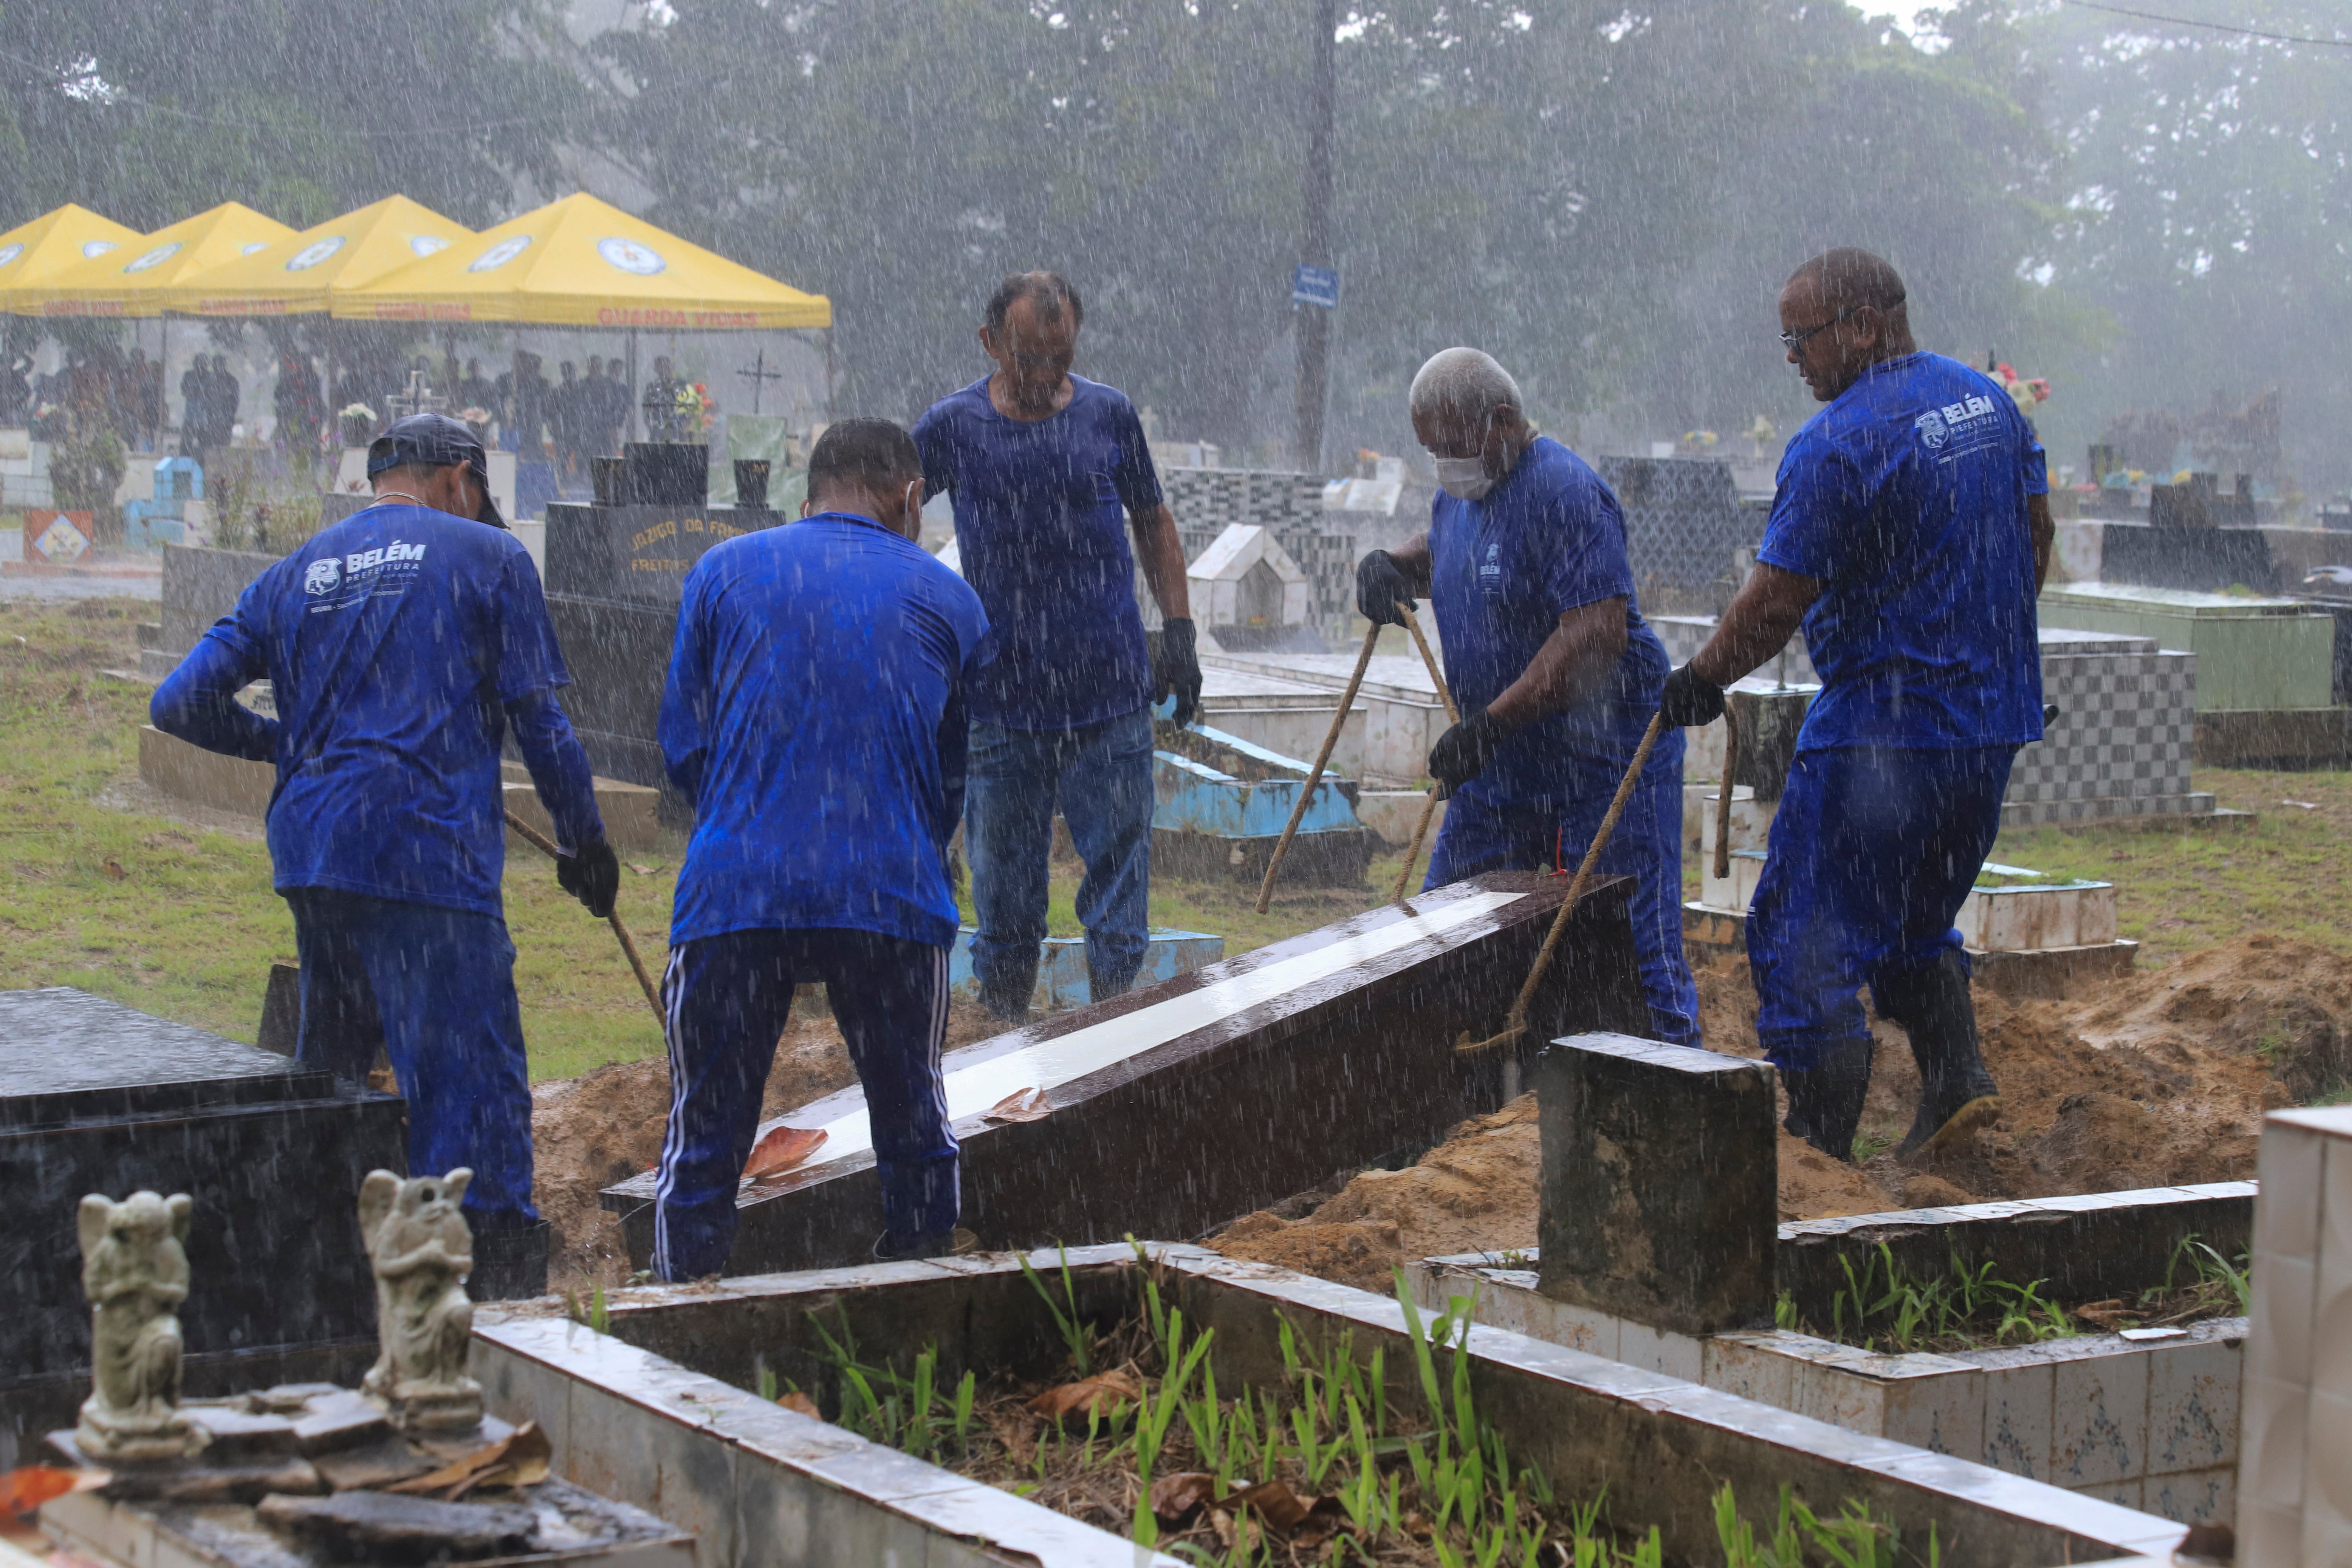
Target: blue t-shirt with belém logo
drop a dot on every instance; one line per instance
(1042, 540)
(813, 715)
(393, 642)
(1547, 538)
(1906, 499)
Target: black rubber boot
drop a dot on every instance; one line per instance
(902, 1247)
(1007, 999)
(1825, 1099)
(1956, 1095)
(510, 1262)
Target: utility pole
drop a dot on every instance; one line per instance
(1315, 240)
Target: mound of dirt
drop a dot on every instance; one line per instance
(605, 1126)
(2151, 1079)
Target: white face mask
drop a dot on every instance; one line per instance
(1466, 479)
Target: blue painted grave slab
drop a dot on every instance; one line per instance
(1062, 981)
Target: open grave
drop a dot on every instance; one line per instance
(96, 1097)
(1174, 1108)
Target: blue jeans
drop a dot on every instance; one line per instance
(1873, 851)
(442, 983)
(1101, 773)
(1480, 835)
(726, 999)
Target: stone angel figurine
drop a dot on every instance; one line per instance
(134, 1269)
(422, 1250)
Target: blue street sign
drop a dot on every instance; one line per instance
(1315, 286)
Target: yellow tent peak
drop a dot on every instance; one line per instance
(583, 262)
(296, 275)
(130, 282)
(65, 237)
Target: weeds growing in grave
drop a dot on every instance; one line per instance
(1882, 1306)
(596, 1314)
(1345, 1460)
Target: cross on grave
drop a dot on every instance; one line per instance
(758, 373)
(419, 398)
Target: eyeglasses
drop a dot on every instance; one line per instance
(1792, 341)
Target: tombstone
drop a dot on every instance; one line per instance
(96, 1097)
(1660, 1196)
(1246, 590)
(614, 574)
(1179, 1105)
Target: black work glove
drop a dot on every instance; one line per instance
(1462, 753)
(1176, 668)
(1380, 585)
(592, 876)
(1689, 701)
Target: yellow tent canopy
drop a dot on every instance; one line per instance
(295, 276)
(35, 252)
(580, 262)
(109, 285)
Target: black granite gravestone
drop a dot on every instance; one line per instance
(1660, 1197)
(1188, 1104)
(613, 577)
(96, 1097)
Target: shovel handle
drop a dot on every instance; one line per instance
(1315, 774)
(1723, 801)
(542, 842)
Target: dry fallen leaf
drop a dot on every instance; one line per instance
(114, 871)
(24, 1490)
(643, 871)
(1021, 1105)
(518, 1459)
(1230, 1534)
(1173, 1496)
(1282, 1510)
(801, 1402)
(2109, 1315)
(781, 1150)
(1097, 1392)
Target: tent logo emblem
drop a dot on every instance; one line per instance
(628, 255)
(9, 253)
(322, 576)
(91, 248)
(257, 245)
(309, 256)
(498, 255)
(155, 258)
(427, 244)
(1931, 429)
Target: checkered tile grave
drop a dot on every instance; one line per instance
(1206, 501)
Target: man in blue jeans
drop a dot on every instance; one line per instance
(400, 646)
(1041, 464)
(814, 716)
(1909, 536)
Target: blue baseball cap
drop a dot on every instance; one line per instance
(434, 441)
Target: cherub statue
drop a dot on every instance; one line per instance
(421, 1250)
(134, 1269)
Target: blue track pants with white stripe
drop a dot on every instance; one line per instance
(727, 1000)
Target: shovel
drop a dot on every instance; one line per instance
(1515, 1025)
(1315, 774)
(1453, 716)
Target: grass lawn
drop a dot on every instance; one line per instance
(107, 890)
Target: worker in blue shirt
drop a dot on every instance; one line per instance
(1909, 537)
(401, 643)
(814, 715)
(1554, 670)
(1041, 464)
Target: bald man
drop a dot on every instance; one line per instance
(1909, 538)
(1555, 672)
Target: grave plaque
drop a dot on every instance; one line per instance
(1178, 1107)
(96, 1097)
(614, 574)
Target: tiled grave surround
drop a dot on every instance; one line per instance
(1684, 519)
(2010, 910)
(1180, 1105)
(2118, 748)
(1221, 804)
(1402, 717)
(2297, 1415)
(2149, 1424)
(656, 1415)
